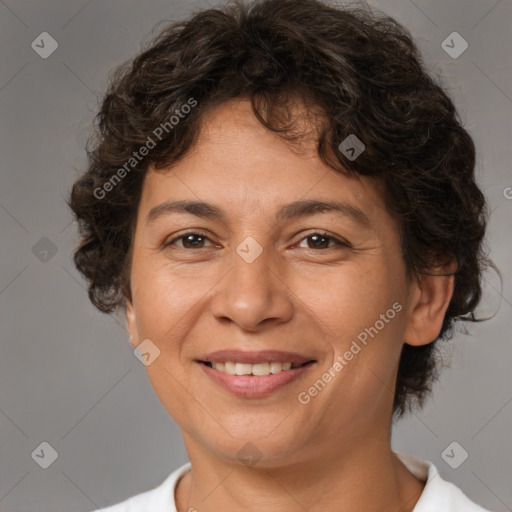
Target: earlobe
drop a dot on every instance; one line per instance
(131, 322)
(432, 295)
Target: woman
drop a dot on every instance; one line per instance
(283, 203)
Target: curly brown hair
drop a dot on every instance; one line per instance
(358, 67)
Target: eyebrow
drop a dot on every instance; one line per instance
(297, 209)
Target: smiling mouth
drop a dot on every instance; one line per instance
(254, 370)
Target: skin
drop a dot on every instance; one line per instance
(334, 452)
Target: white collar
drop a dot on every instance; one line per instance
(437, 496)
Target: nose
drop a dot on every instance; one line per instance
(253, 295)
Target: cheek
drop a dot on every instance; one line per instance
(351, 299)
(164, 305)
(163, 295)
(361, 318)
(360, 315)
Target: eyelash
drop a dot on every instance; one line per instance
(337, 241)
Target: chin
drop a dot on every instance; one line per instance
(256, 448)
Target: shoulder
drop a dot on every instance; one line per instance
(438, 493)
(159, 499)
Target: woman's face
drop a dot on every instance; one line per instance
(255, 281)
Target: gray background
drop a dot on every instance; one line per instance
(67, 373)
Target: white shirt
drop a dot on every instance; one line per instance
(437, 496)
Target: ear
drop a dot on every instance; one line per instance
(430, 298)
(131, 323)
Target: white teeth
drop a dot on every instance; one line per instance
(229, 368)
(243, 369)
(260, 369)
(275, 367)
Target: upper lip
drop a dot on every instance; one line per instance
(239, 356)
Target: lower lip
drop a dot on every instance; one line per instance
(251, 386)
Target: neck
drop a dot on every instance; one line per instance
(365, 476)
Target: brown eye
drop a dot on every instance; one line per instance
(322, 240)
(190, 241)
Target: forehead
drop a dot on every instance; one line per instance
(240, 165)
